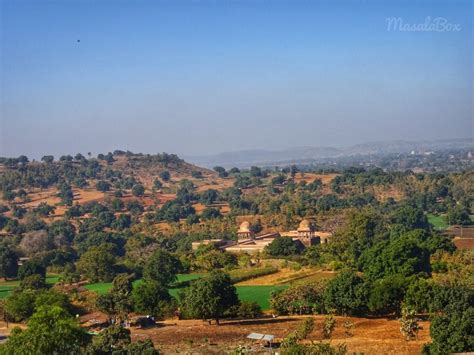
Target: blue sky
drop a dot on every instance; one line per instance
(197, 77)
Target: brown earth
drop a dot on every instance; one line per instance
(370, 336)
(286, 276)
(310, 177)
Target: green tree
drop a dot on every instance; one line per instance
(300, 299)
(138, 190)
(116, 340)
(102, 186)
(66, 194)
(284, 246)
(255, 171)
(452, 332)
(459, 215)
(118, 302)
(419, 295)
(33, 282)
(51, 330)
(221, 171)
(48, 159)
(210, 213)
(31, 267)
(403, 255)
(150, 297)
(98, 263)
(386, 295)
(157, 184)
(162, 267)
(117, 205)
(165, 175)
(8, 262)
(209, 196)
(411, 218)
(20, 305)
(216, 259)
(210, 297)
(346, 294)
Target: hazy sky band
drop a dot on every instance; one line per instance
(196, 77)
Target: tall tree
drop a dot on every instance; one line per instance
(8, 262)
(150, 297)
(162, 267)
(210, 297)
(51, 330)
(98, 263)
(118, 302)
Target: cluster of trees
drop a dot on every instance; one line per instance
(350, 294)
(52, 329)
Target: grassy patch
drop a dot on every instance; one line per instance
(259, 294)
(6, 287)
(103, 287)
(99, 287)
(439, 222)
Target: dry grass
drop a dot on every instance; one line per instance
(371, 336)
(310, 177)
(287, 276)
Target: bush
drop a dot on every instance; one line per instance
(419, 295)
(284, 246)
(31, 267)
(346, 294)
(409, 324)
(138, 190)
(33, 282)
(386, 295)
(299, 299)
(247, 310)
(452, 332)
(328, 325)
(289, 344)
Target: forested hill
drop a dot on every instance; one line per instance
(119, 167)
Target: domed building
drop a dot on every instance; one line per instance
(306, 233)
(245, 231)
(306, 229)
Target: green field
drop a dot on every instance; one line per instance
(7, 286)
(439, 222)
(103, 287)
(259, 294)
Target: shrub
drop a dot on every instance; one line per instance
(347, 294)
(328, 325)
(349, 327)
(291, 341)
(409, 324)
(248, 310)
(299, 299)
(31, 267)
(284, 246)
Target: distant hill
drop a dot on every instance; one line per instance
(304, 155)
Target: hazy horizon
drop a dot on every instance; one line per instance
(198, 78)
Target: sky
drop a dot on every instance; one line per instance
(203, 77)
